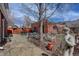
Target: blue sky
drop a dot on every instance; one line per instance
(71, 13)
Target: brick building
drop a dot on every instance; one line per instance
(48, 27)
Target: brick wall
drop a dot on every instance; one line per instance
(17, 31)
(48, 27)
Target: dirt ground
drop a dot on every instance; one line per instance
(19, 46)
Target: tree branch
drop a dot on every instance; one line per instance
(54, 11)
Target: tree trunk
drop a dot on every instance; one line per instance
(41, 31)
(41, 22)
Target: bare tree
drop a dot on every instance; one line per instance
(40, 12)
(27, 22)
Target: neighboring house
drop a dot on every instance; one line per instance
(48, 27)
(74, 28)
(73, 25)
(3, 26)
(16, 29)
